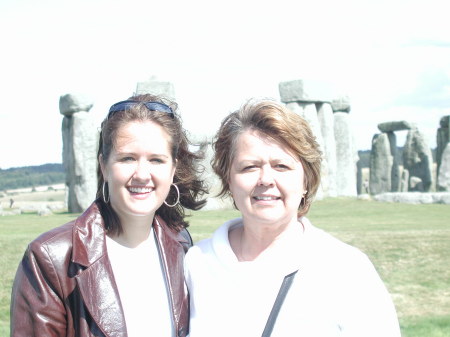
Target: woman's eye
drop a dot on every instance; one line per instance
(282, 166)
(249, 167)
(156, 160)
(127, 159)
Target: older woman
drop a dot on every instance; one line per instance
(117, 270)
(269, 163)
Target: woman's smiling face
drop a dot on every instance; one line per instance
(139, 170)
(266, 180)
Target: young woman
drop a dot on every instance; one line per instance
(117, 270)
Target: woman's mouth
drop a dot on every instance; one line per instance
(266, 198)
(140, 189)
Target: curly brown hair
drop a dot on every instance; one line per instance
(187, 172)
(278, 123)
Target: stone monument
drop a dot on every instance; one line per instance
(314, 102)
(80, 142)
(385, 160)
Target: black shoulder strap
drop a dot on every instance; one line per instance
(287, 281)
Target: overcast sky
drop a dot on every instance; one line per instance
(391, 57)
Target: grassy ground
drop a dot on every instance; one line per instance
(409, 245)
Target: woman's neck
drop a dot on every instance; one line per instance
(134, 232)
(249, 242)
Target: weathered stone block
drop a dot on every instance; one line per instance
(341, 104)
(156, 87)
(70, 104)
(346, 156)
(326, 121)
(80, 141)
(444, 122)
(381, 162)
(395, 126)
(417, 158)
(396, 162)
(305, 91)
(443, 180)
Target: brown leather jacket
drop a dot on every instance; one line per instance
(65, 286)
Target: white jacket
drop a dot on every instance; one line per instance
(336, 292)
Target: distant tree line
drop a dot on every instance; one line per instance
(31, 176)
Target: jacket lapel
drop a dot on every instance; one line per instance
(96, 282)
(101, 297)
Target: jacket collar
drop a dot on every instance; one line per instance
(96, 282)
(89, 237)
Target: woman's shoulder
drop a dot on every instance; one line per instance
(216, 243)
(61, 238)
(331, 248)
(54, 236)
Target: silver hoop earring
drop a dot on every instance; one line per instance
(104, 194)
(178, 197)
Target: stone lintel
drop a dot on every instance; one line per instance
(304, 91)
(395, 126)
(72, 103)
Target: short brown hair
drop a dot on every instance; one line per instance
(278, 123)
(187, 171)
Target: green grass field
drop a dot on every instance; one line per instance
(409, 245)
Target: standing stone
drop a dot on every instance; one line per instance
(345, 155)
(326, 121)
(417, 159)
(442, 139)
(156, 87)
(80, 141)
(380, 164)
(396, 160)
(443, 181)
(309, 113)
(297, 108)
(359, 179)
(404, 184)
(311, 117)
(307, 91)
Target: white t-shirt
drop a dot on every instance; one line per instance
(336, 291)
(142, 288)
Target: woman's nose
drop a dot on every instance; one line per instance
(143, 170)
(266, 176)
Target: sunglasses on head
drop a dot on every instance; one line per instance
(152, 106)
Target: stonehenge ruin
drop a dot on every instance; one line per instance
(329, 118)
(391, 173)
